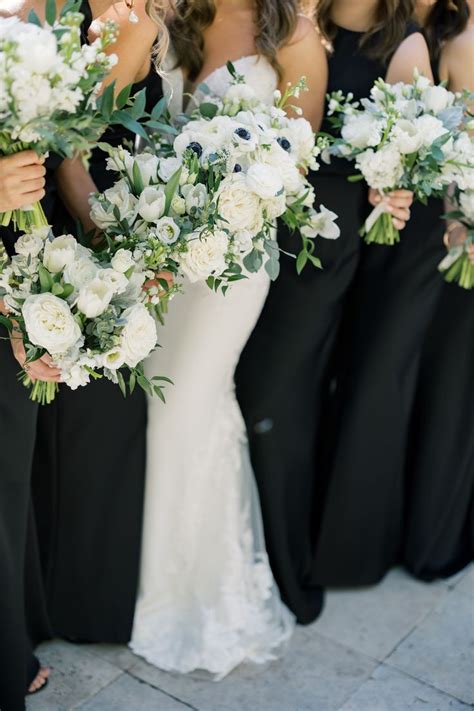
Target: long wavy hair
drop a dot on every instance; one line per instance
(275, 23)
(446, 20)
(388, 31)
(156, 10)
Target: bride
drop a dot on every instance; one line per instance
(207, 597)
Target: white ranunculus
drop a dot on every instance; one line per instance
(322, 225)
(381, 169)
(178, 205)
(29, 245)
(139, 336)
(50, 323)
(168, 167)
(147, 164)
(238, 93)
(264, 181)
(59, 253)
(437, 98)
(407, 136)
(94, 298)
(151, 204)
(80, 272)
(205, 255)
(275, 207)
(122, 260)
(362, 130)
(243, 242)
(118, 196)
(430, 128)
(117, 281)
(166, 230)
(238, 206)
(195, 196)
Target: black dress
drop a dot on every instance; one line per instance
(392, 302)
(439, 518)
(23, 618)
(91, 452)
(285, 371)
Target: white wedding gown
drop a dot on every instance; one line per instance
(207, 598)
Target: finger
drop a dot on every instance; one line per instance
(401, 193)
(30, 198)
(399, 213)
(399, 224)
(40, 371)
(30, 172)
(31, 186)
(399, 202)
(25, 158)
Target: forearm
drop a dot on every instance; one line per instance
(75, 186)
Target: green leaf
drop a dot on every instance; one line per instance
(57, 290)
(171, 188)
(164, 127)
(6, 322)
(138, 106)
(70, 6)
(68, 289)
(315, 261)
(137, 178)
(50, 12)
(124, 96)
(132, 381)
(355, 178)
(272, 267)
(208, 110)
(46, 281)
(107, 101)
(231, 69)
(122, 118)
(34, 19)
(301, 261)
(121, 383)
(158, 109)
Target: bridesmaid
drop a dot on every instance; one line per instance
(23, 621)
(90, 458)
(392, 304)
(285, 407)
(439, 537)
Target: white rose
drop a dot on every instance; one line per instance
(238, 206)
(118, 196)
(29, 245)
(238, 93)
(264, 181)
(322, 224)
(59, 253)
(437, 98)
(205, 255)
(243, 241)
(80, 272)
(195, 196)
(115, 280)
(151, 204)
(147, 165)
(284, 165)
(166, 230)
(94, 298)
(50, 323)
(178, 205)
(362, 130)
(275, 207)
(139, 336)
(122, 260)
(168, 167)
(407, 136)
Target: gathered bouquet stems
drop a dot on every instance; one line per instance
(461, 271)
(41, 391)
(379, 228)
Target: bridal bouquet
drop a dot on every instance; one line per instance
(89, 316)
(408, 136)
(49, 86)
(456, 266)
(204, 206)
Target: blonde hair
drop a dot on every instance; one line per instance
(157, 10)
(275, 24)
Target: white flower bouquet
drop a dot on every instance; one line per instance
(89, 316)
(49, 86)
(205, 205)
(457, 266)
(407, 136)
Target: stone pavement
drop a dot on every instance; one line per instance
(400, 646)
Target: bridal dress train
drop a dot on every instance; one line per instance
(207, 598)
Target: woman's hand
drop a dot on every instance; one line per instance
(470, 252)
(398, 204)
(155, 283)
(456, 235)
(42, 369)
(22, 180)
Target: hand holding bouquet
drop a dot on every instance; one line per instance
(205, 205)
(89, 316)
(406, 136)
(458, 265)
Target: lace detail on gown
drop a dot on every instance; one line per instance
(207, 597)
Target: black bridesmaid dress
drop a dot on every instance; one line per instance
(439, 517)
(23, 618)
(392, 303)
(284, 375)
(89, 484)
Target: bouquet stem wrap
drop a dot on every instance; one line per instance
(379, 228)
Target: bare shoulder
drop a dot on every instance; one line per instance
(462, 46)
(411, 54)
(457, 61)
(304, 31)
(119, 13)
